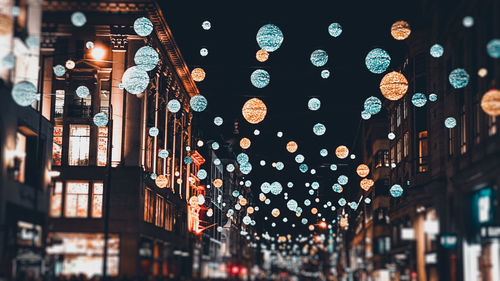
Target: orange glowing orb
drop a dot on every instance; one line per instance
(262, 55)
(262, 197)
(161, 181)
(314, 211)
(400, 30)
(250, 210)
(245, 143)
(193, 201)
(210, 212)
(394, 86)
(254, 111)
(363, 170)
(342, 151)
(275, 212)
(292, 146)
(490, 102)
(217, 183)
(243, 201)
(344, 222)
(311, 227)
(322, 224)
(198, 74)
(366, 184)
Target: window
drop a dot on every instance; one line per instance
(56, 200)
(57, 145)
(59, 104)
(423, 152)
(492, 125)
(148, 205)
(97, 197)
(406, 144)
(20, 158)
(398, 114)
(79, 142)
(382, 158)
(102, 146)
(399, 151)
(169, 217)
(77, 199)
(159, 219)
(463, 132)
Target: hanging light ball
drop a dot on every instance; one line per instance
(468, 21)
(9, 61)
(269, 37)
(254, 111)
(335, 29)
(433, 97)
(262, 55)
(373, 105)
(245, 143)
(265, 187)
(153, 131)
(161, 181)
(59, 70)
(163, 154)
(89, 45)
(242, 158)
(143, 26)
(280, 166)
(319, 129)
(70, 64)
(230, 168)
(217, 183)
(260, 78)
(400, 30)
(218, 121)
(246, 168)
(459, 78)
(201, 174)
(319, 58)
(82, 92)
(394, 86)
(450, 122)
(337, 188)
(396, 190)
(366, 184)
(333, 167)
(342, 179)
(391, 136)
(250, 210)
(362, 170)
(437, 50)
(303, 168)
(198, 74)
(292, 146)
(101, 119)
(24, 93)
(368, 200)
(135, 80)
(490, 102)
(314, 104)
(365, 115)
(146, 58)
(153, 176)
(377, 61)
(243, 202)
(325, 73)
(276, 188)
(78, 19)
(188, 160)
(342, 152)
(299, 158)
(206, 25)
(482, 72)
(493, 48)
(215, 145)
(198, 103)
(323, 152)
(275, 212)
(203, 52)
(174, 106)
(419, 99)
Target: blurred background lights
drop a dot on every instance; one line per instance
(163, 153)
(468, 21)
(230, 168)
(325, 73)
(70, 64)
(279, 134)
(201, 174)
(145, 58)
(262, 55)
(59, 70)
(319, 58)
(459, 78)
(24, 93)
(269, 37)
(215, 145)
(82, 92)
(303, 168)
(433, 97)
(482, 72)
(335, 29)
(101, 119)
(206, 25)
(337, 187)
(135, 80)
(256, 132)
(365, 115)
(218, 121)
(391, 136)
(153, 131)
(323, 152)
(203, 52)
(377, 61)
(333, 167)
(396, 190)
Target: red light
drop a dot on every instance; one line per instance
(235, 269)
(322, 224)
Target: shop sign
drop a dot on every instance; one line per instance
(449, 240)
(490, 231)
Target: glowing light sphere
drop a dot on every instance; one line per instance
(82, 91)
(143, 26)
(215, 145)
(279, 134)
(89, 45)
(206, 25)
(311, 192)
(368, 200)
(9, 61)
(342, 179)
(319, 58)
(377, 61)
(24, 93)
(188, 160)
(292, 205)
(230, 168)
(482, 72)
(290, 184)
(78, 19)
(101, 119)
(217, 183)
(291, 146)
(217, 162)
(353, 205)
(459, 78)
(365, 115)
(153, 176)
(323, 152)
(245, 143)
(265, 187)
(59, 70)
(280, 166)
(490, 102)
(315, 185)
(248, 183)
(366, 184)
(419, 99)
(342, 202)
(437, 50)
(135, 80)
(163, 153)
(275, 212)
(493, 48)
(304, 221)
(335, 29)
(262, 162)
(433, 97)
(146, 58)
(153, 131)
(203, 52)
(174, 106)
(325, 73)
(250, 210)
(307, 202)
(394, 86)
(337, 188)
(247, 220)
(314, 211)
(198, 103)
(218, 121)
(242, 158)
(319, 129)
(161, 181)
(400, 30)
(70, 64)
(201, 174)
(362, 170)
(254, 111)
(198, 74)
(391, 136)
(246, 168)
(243, 202)
(396, 190)
(256, 132)
(333, 167)
(269, 37)
(260, 78)
(299, 158)
(32, 41)
(314, 104)
(468, 21)
(262, 55)
(342, 152)
(276, 188)
(372, 105)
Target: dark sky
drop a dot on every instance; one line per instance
(231, 59)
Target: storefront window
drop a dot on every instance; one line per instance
(56, 200)
(102, 146)
(59, 104)
(97, 196)
(57, 145)
(79, 142)
(77, 196)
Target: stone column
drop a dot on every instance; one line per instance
(119, 43)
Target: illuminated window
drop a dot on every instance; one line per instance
(102, 146)
(423, 152)
(97, 196)
(57, 145)
(148, 205)
(77, 200)
(159, 220)
(406, 142)
(59, 104)
(56, 200)
(169, 217)
(79, 142)
(20, 158)
(492, 125)
(382, 158)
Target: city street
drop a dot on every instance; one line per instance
(157, 140)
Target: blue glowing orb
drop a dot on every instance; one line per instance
(353, 205)
(333, 167)
(433, 97)
(188, 160)
(292, 205)
(89, 45)
(206, 25)
(419, 99)
(289, 184)
(215, 145)
(311, 192)
(342, 179)
(242, 158)
(365, 115)
(78, 19)
(82, 92)
(163, 154)
(174, 106)
(315, 185)
(325, 73)
(265, 187)
(437, 50)
(260, 78)
(314, 104)
(377, 61)
(450, 122)
(269, 37)
(246, 168)
(319, 129)
(218, 121)
(459, 78)
(299, 158)
(307, 202)
(230, 168)
(342, 202)
(468, 21)
(368, 200)
(203, 52)
(143, 26)
(337, 187)
(153, 176)
(101, 119)
(59, 70)
(335, 29)
(32, 41)
(9, 61)
(153, 131)
(303, 168)
(280, 166)
(276, 188)
(319, 58)
(304, 221)
(201, 174)
(323, 152)
(24, 93)
(135, 80)
(396, 190)
(198, 103)
(217, 161)
(146, 58)
(493, 48)
(373, 105)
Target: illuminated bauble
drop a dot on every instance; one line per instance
(188, 160)
(32, 41)
(215, 145)
(236, 193)
(291, 146)
(459, 78)
(304, 221)
(323, 152)
(101, 119)
(490, 102)
(400, 30)
(396, 190)
(289, 184)
(243, 202)
(311, 192)
(307, 202)
(193, 201)
(248, 183)
(153, 176)
(163, 153)
(242, 158)
(493, 48)
(70, 64)
(201, 199)
(342, 202)
(333, 167)
(250, 210)
(365, 115)
(269, 37)
(203, 52)
(246, 168)
(24, 93)
(245, 143)
(319, 129)
(377, 61)
(161, 181)
(153, 131)
(247, 220)
(299, 158)
(315, 185)
(337, 188)
(265, 187)
(256, 132)
(206, 25)
(276, 188)
(198, 103)
(174, 106)
(482, 72)
(319, 58)
(437, 50)
(198, 74)
(217, 162)
(254, 111)
(335, 29)
(135, 80)
(78, 19)
(275, 212)
(468, 21)
(89, 45)
(368, 200)
(362, 170)
(201, 174)
(143, 26)
(9, 61)
(433, 97)
(262, 55)
(230, 168)
(217, 183)
(59, 70)
(325, 73)
(373, 105)
(218, 121)
(342, 179)
(419, 99)
(342, 151)
(314, 211)
(82, 91)
(394, 86)
(280, 166)
(303, 168)
(146, 58)
(314, 104)
(353, 205)
(260, 78)
(365, 184)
